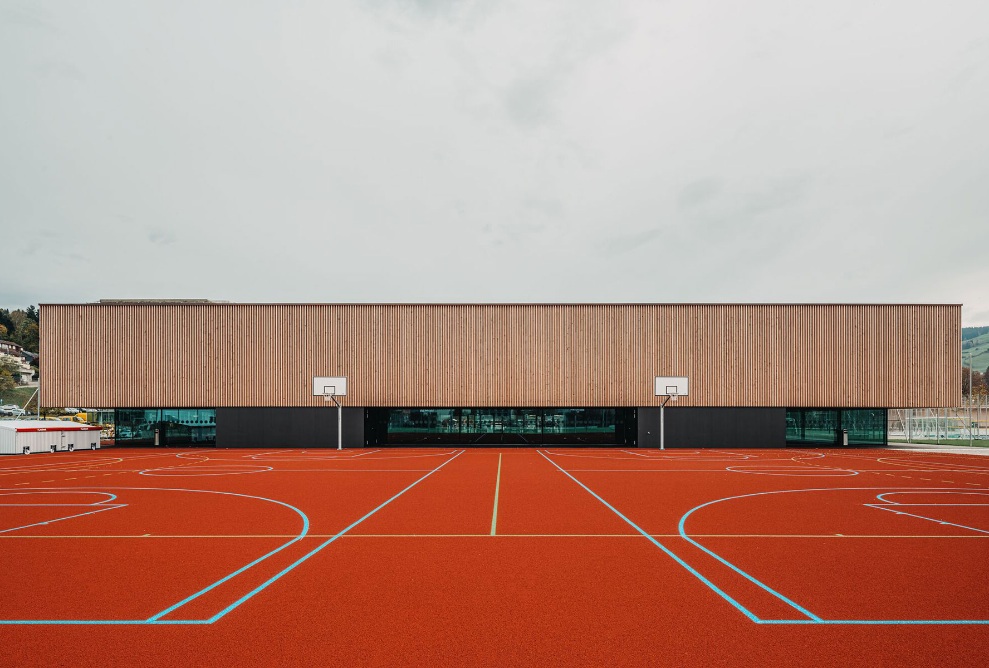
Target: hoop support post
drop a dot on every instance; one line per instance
(339, 422)
(662, 425)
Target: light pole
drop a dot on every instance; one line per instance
(970, 397)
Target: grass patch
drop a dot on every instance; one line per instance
(18, 396)
(977, 443)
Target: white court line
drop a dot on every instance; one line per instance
(892, 508)
(77, 466)
(959, 492)
(189, 471)
(99, 506)
(276, 470)
(488, 535)
(918, 466)
(340, 459)
(714, 470)
(68, 517)
(676, 455)
(265, 454)
(331, 453)
(804, 454)
(109, 459)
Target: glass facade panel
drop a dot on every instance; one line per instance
(817, 426)
(502, 426)
(174, 426)
(136, 426)
(865, 426)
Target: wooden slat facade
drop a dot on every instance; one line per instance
(215, 354)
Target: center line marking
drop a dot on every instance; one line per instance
(494, 513)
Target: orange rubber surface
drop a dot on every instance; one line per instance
(515, 557)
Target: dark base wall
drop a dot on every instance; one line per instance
(317, 427)
(287, 427)
(695, 427)
(686, 427)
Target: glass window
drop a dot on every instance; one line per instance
(136, 426)
(174, 426)
(503, 426)
(816, 426)
(866, 426)
(189, 426)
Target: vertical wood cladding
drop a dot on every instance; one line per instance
(213, 355)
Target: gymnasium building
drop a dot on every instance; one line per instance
(201, 373)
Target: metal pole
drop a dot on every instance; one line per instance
(970, 397)
(29, 401)
(339, 423)
(662, 430)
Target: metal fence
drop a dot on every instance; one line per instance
(968, 422)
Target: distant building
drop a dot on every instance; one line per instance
(11, 348)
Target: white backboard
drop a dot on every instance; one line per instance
(329, 385)
(667, 386)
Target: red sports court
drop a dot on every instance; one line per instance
(495, 557)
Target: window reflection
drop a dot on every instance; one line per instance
(519, 426)
(814, 426)
(174, 426)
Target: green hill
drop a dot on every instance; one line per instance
(975, 340)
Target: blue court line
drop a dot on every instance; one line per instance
(189, 599)
(877, 622)
(154, 620)
(655, 542)
(818, 620)
(92, 622)
(814, 619)
(320, 547)
(765, 587)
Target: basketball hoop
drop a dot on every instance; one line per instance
(670, 388)
(331, 387)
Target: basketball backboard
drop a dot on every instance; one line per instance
(329, 386)
(671, 386)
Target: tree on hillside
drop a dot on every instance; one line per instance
(973, 332)
(21, 327)
(6, 322)
(9, 374)
(979, 387)
(29, 336)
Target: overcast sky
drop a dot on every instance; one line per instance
(462, 151)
